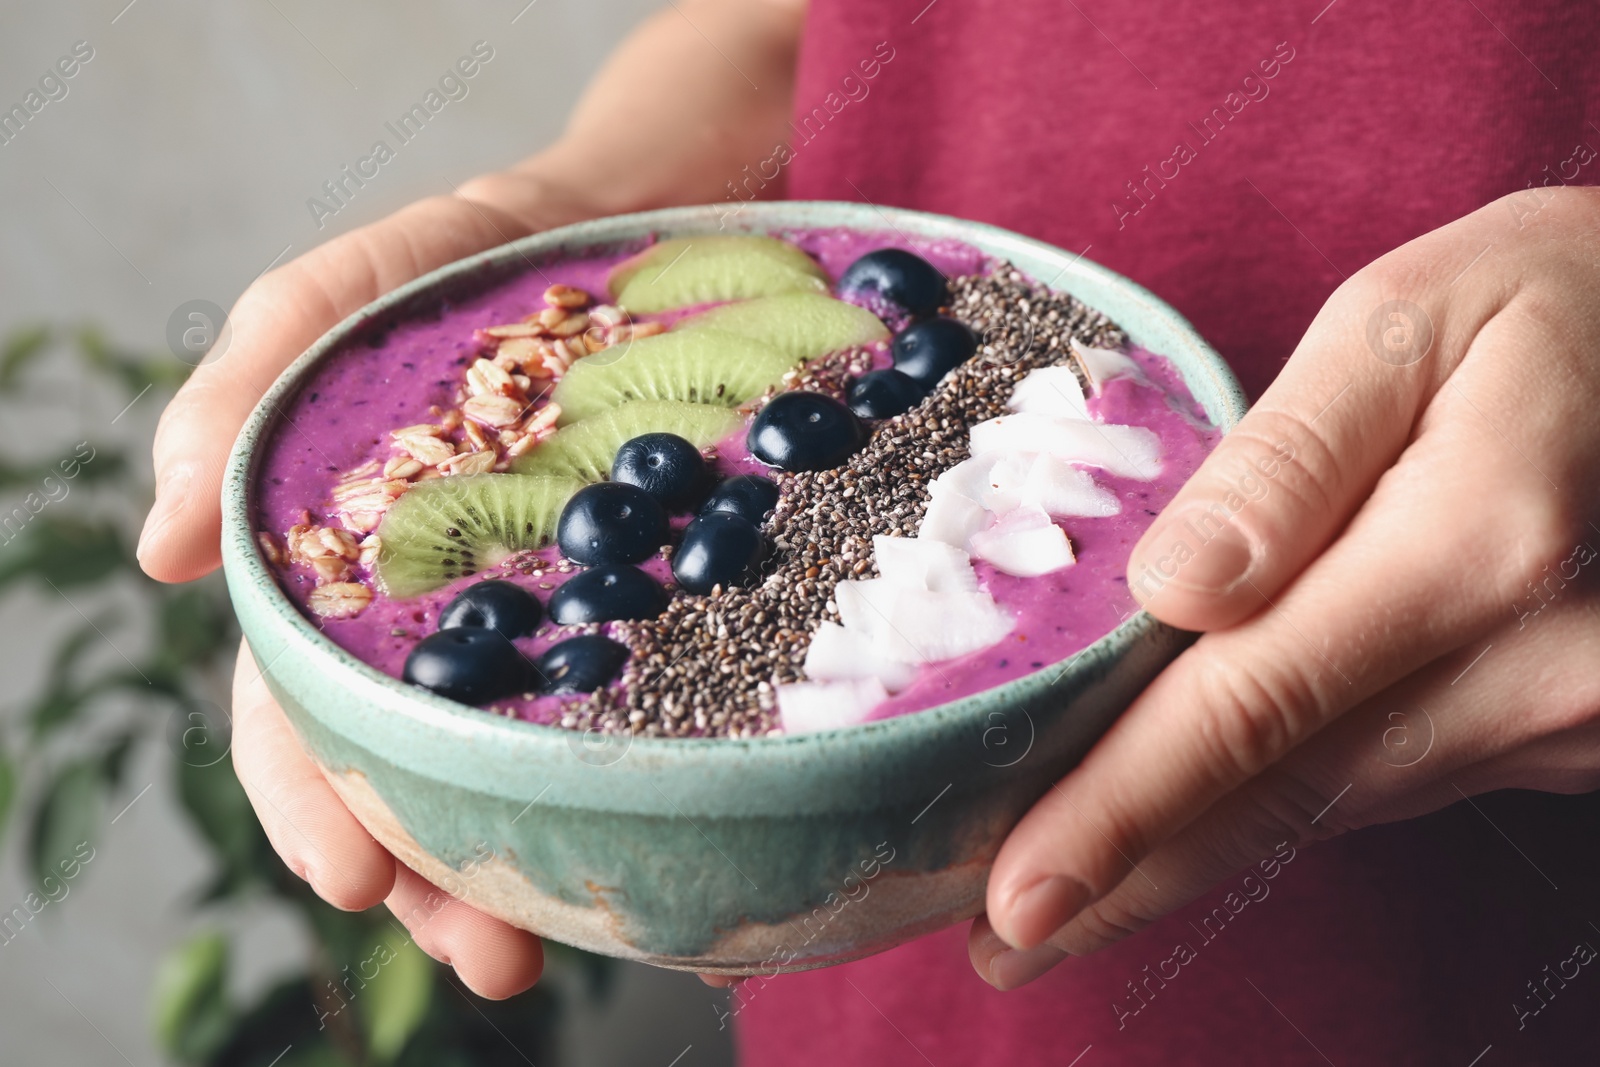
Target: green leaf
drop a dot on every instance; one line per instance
(60, 550)
(20, 349)
(67, 817)
(98, 465)
(114, 759)
(464, 1031)
(56, 707)
(8, 789)
(394, 1002)
(221, 811)
(322, 1055)
(599, 972)
(282, 1029)
(63, 699)
(136, 371)
(191, 1012)
(196, 624)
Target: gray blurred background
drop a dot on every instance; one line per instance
(177, 167)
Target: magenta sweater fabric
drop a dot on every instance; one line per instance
(1240, 159)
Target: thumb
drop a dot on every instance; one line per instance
(1283, 483)
(275, 320)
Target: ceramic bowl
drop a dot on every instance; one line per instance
(723, 856)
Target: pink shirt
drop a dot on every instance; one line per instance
(1240, 159)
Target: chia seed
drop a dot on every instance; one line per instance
(709, 665)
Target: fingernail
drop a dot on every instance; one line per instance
(1018, 967)
(171, 495)
(311, 870)
(1041, 909)
(1199, 550)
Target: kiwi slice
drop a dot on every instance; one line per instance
(683, 271)
(585, 449)
(803, 325)
(447, 528)
(701, 366)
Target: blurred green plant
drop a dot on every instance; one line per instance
(142, 670)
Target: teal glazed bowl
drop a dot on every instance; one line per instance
(733, 857)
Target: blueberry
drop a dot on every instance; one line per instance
(663, 465)
(804, 431)
(611, 523)
(749, 496)
(580, 664)
(927, 351)
(470, 664)
(717, 549)
(883, 394)
(493, 605)
(900, 277)
(606, 593)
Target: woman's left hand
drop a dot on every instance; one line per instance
(1394, 560)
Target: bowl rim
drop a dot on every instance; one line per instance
(248, 573)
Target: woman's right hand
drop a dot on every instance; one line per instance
(275, 320)
(321, 841)
(670, 120)
(283, 313)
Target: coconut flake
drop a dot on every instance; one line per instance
(1025, 543)
(1129, 451)
(804, 707)
(1104, 364)
(1051, 391)
(837, 655)
(969, 477)
(924, 563)
(1063, 490)
(952, 516)
(1050, 483)
(918, 625)
(1008, 479)
(926, 627)
(864, 606)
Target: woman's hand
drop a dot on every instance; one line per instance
(273, 322)
(668, 121)
(283, 313)
(1394, 559)
(320, 841)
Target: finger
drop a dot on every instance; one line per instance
(1005, 967)
(275, 320)
(307, 823)
(1415, 748)
(495, 959)
(1280, 486)
(1320, 790)
(1385, 599)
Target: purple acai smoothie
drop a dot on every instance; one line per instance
(356, 438)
